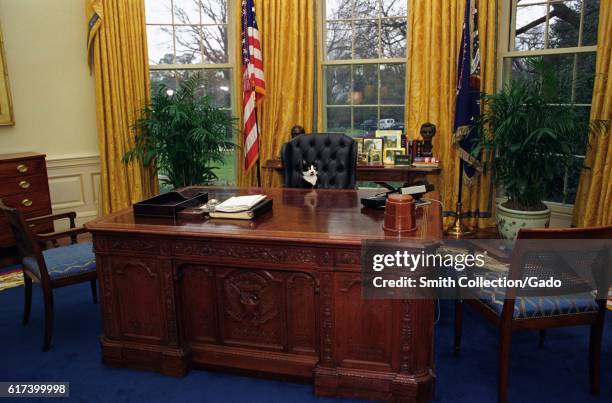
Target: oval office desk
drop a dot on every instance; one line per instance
(279, 295)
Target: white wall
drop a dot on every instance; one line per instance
(53, 95)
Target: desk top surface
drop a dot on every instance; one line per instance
(299, 215)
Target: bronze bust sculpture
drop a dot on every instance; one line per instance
(428, 131)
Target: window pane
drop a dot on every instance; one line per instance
(159, 38)
(366, 39)
(214, 44)
(564, 24)
(338, 41)
(582, 115)
(186, 12)
(365, 121)
(158, 11)
(162, 77)
(218, 87)
(391, 8)
(530, 25)
(585, 79)
(338, 119)
(393, 37)
(338, 9)
(366, 8)
(590, 22)
(338, 83)
(392, 83)
(365, 84)
(187, 42)
(396, 113)
(574, 74)
(214, 11)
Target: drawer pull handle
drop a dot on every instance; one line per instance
(22, 168)
(27, 202)
(24, 184)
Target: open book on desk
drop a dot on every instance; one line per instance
(242, 207)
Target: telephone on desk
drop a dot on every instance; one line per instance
(416, 190)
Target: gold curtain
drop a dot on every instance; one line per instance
(433, 49)
(119, 61)
(594, 198)
(286, 30)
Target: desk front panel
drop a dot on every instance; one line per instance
(287, 307)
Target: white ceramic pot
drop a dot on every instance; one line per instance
(510, 221)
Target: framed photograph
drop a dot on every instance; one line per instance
(362, 158)
(376, 156)
(359, 142)
(6, 106)
(391, 138)
(390, 153)
(373, 144)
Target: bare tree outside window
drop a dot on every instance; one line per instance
(364, 64)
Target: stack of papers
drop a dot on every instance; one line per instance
(239, 203)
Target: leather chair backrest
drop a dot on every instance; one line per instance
(334, 154)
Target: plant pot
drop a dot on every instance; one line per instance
(510, 221)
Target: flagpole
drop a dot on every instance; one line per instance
(457, 228)
(258, 148)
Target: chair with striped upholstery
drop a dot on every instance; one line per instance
(581, 301)
(52, 268)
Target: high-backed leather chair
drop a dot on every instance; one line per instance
(335, 156)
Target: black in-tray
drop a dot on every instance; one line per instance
(169, 204)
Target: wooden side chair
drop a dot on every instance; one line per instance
(578, 304)
(52, 268)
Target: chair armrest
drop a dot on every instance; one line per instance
(52, 217)
(52, 236)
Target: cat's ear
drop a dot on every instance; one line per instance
(304, 164)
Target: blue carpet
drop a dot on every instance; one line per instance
(556, 373)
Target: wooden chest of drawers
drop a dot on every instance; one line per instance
(24, 185)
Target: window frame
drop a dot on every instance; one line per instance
(324, 62)
(230, 66)
(507, 52)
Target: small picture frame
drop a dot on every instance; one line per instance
(391, 138)
(390, 153)
(376, 156)
(363, 158)
(372, 144)
(359, 143)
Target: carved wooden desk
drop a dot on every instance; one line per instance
(280, 295)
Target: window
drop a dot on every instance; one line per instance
(189, 36)
(562, 33)
(364, 65)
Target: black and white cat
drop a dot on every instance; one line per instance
(310, 175)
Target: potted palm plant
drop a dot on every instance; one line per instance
(183, 134)
(527, 134)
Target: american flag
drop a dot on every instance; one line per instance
(254, 83)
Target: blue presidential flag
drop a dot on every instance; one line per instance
(467, 103)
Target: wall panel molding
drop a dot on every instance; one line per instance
(74, 182)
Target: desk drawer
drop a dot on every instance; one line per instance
(25, 184)
(19, 168)
(29, 202)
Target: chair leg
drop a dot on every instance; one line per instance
(94, 291)
(458, 325)
(27, 306)
(48, 297)
(542, 337)
(595, 356)
(504, 363)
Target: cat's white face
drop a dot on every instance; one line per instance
(310, 170)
